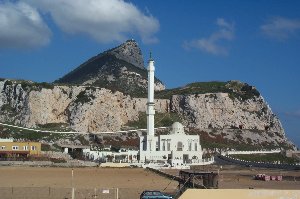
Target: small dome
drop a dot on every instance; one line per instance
(177, 128)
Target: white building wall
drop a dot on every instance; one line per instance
(168, 146)
(98, 155)
(6, 140)
(184, 139)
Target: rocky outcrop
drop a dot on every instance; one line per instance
(85, 109)
(129, 52)
(222, 117)
(118, 69)
(218, 110)
(231, 116)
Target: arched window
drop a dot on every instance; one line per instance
(179, 146)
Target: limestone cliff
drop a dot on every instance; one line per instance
(227, 111)
(221, 117)
(85, 109)
(218, 111)
(233, 111)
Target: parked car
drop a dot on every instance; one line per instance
(154, 195)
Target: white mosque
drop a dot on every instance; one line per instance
(176, 148)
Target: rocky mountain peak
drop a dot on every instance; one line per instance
(118, 69)
(130, 52)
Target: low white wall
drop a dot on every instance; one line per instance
(206, 161)
(111, 164)
(249, 152)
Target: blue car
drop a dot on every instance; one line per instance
(154, 195)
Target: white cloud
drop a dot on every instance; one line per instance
(212, 44)
(21, 26)
(281, 28)
(103, 20)
(293, 114)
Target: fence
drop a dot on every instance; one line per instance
(66, 193)
(260, 164)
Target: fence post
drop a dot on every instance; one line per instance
(117, 193)
(95, 193)
(73, 191)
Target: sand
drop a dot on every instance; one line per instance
(40, 182)
(129, 181)
(239, 177)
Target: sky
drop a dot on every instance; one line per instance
(257, 42)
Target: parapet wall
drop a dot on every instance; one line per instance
(260, 164)
(249, 152)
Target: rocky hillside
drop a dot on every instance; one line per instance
(108, 93)
(231, 112)
(83, 108)
(235, 116)
(119, 69)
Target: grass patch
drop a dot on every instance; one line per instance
(215, 140)
(29, 135)
(43, 137)
(60, 127)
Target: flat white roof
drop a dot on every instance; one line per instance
(6, 140)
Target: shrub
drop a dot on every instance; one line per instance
(161, 119)
(235, 90)
(45, 147)
(58, 160)
(84, 97)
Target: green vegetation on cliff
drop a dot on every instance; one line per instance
(214, 139)
(235, 89)
(161, 120)
(27, 85)
(30, 135)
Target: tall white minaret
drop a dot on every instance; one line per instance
(150, 102)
